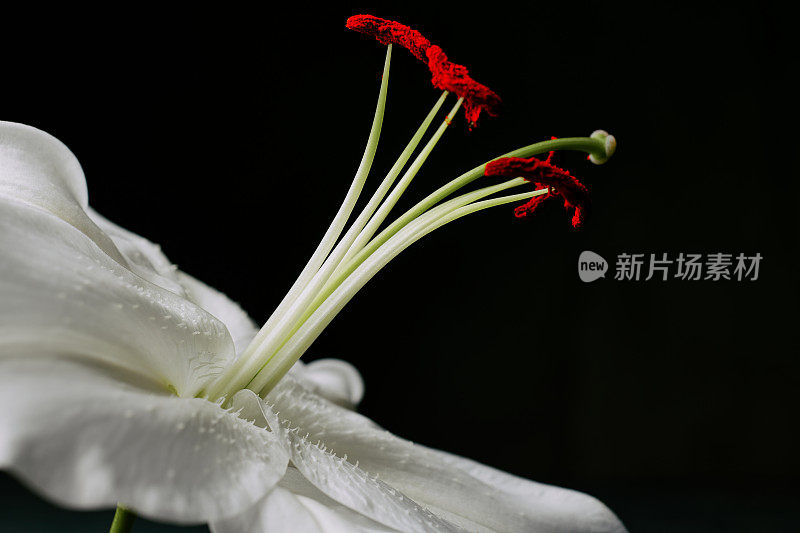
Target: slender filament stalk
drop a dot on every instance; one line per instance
(245, 366)
(301, 304)
(310, 330)
(335, 273)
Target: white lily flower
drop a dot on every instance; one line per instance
(124, 380)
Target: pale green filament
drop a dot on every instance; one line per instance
(272, 343)
(375, 222)
(316, 323)
(277, 330)
(347, 268)
(283, 329)
(244, 368)
(354, 231)
(335, 274)
(433, 214)
(585, 144)
(338, 255)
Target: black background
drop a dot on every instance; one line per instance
(229, 136)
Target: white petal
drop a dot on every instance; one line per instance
(296, 506)
(344, 482)
(240, 326)
(298, 485)
(280, 511)
(463, 491)
(38, 170)
(354, 488)
(87, 438)
(143, 257)
(335, 380)
(148, 261)
(61, 294)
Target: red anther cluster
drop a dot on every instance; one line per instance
(447, 75)
(387, 31)
(544, 174)
(455, 78)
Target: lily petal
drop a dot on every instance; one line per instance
(353, 487)
(297, 506)
(148, 261)
(342, 481)
(143, 257)
(239, 324)
(335, 380)
(61, 294)
(37, 169)
(474, 496)
(87, 437)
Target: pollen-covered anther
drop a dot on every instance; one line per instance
(446, 75)
(388, 31)
(544, 174)
(455, 78)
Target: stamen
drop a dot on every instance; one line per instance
(284, 322)
(447, 75)
(239, 373)
(594, 145)
(347, 267)
(380, 216)
(390, 32)
(357, 234)
(293, 349)
(335, 273)
(544, 174)
(530, 206)
(297, 311)
(455, 78)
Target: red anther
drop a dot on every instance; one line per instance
(455, 78)
(388, 31)
(552, 152)
(530, 206)
(447, 75)
(544, 174)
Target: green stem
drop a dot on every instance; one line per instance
(123, 520)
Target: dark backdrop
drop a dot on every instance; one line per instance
(230, 135)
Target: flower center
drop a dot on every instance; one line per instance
(341, 265)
